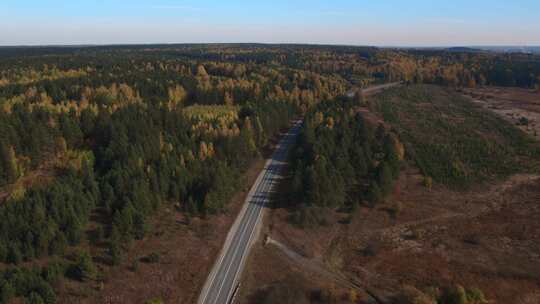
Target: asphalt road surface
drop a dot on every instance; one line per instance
(223, 280)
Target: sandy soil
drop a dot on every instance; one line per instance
(513, 104)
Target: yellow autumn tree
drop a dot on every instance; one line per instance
(12, 171)
(203, 150)
(228, 100)
(177, 96)
(201, 73)
(61, 145)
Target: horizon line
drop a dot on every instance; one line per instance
(266, 43)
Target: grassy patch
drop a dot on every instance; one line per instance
(454, 141)
(212, 113)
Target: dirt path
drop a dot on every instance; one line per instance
(317, 267)
(512, 104)
(373, 90)
(469, 212)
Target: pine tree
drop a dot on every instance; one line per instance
(59, 244)
(3, 250)
(384, 178)
(84, 267)
(374, 194)
(359, 161)
(115, 246)
(391, 155)
(259, 132)
(6, 292)
(14, 254)
(115, 252)
(311, 188)
(140, 226)
(34, 298)
(9, 163)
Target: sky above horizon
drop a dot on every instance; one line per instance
(360, 22)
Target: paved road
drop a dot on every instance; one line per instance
(374, 89)
(223, 279)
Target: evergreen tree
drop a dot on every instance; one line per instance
(14, 254)
(359, 162)
(115, 252)
(384, 178)
(8, 161)
(140, 226)
(391, 155)
(374, 194)
(34, 298)
(84, 267)
(7, 292)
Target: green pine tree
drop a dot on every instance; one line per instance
(8, 161)
(84, 267)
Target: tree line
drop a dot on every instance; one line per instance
(342, 161)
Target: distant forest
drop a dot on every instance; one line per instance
(118, 132)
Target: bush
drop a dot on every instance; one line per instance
(523, 121)
(395, 209)
(476, 296)
(411, 295)
(135, 266)
(153, 258)
(310, 217)
(428, 182)
(285, 292)
(116, 253)
(455, 295)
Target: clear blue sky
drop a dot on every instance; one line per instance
(354, 22)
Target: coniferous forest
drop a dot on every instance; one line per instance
(119, 132)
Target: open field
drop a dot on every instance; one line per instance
(519, 106)
(453, 140)
(486, 239)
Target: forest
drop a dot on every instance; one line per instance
(117, 133)
(342, 161)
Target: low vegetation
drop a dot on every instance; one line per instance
(453, 141)
(450, 295)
